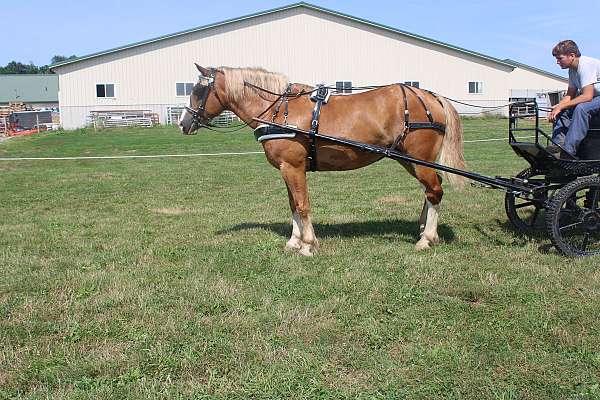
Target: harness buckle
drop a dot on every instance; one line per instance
(321, 94)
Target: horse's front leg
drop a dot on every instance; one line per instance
(295, 242)
(303, 235)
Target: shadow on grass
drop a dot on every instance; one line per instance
(350, 229)
(520, 238)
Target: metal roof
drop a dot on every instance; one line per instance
(275, 10)
(506, 63)
(539, 71)
(29, 88)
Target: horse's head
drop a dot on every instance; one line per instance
(205, 103)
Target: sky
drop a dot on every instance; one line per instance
(525, 31)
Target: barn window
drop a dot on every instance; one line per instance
(343, 87)
(476, 87)
(184, 89)
(412, 83)
(105, 90)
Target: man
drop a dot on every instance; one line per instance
(572, 115)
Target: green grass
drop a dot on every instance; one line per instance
(166, 278)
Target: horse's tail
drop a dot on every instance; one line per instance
(452, 151)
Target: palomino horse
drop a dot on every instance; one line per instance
(375, 117)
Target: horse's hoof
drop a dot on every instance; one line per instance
(293, 245)
(308, 250)
(422, 244)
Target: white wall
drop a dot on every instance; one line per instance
(307, 45)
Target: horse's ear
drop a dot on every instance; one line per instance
(202, 70)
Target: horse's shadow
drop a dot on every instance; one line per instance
(395, 228)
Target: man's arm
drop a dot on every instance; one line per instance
(570, 100)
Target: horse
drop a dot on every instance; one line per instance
(379, 117)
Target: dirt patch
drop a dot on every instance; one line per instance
(170, 211)
(348, 379)
(397, 200)
(7, 379)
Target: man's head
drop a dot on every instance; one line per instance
(566, 53)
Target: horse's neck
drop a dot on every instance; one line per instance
(250, 107)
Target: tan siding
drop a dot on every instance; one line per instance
(524, 79)
(307, 45)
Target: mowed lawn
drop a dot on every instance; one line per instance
(166, 278)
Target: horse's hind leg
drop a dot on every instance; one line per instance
(429, 215)
(303, 235)
(423, 217)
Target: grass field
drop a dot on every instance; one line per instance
(166, 278)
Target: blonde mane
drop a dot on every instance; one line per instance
(235, 78)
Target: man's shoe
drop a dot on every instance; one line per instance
(563, 155)
(554, 149)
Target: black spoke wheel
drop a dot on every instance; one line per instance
(528, 216)
(573, 218)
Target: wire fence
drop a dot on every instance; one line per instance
(119, 115)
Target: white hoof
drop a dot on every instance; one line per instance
(422, 244)
(308, 250)
(293, 245)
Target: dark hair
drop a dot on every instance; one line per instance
(566, 47)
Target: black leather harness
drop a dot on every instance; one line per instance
(416, 125)
(320, 96)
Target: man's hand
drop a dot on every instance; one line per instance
(554, 113)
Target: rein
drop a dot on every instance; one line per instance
(202, 121)
(370, 87)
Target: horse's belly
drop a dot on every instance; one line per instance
(341, 158)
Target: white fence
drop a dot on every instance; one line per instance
(113, 119)
(223, 119)
(73, 117)
(3, 126)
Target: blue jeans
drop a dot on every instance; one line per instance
(571, 125)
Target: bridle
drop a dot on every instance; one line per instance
(199, 117)
(201, 120)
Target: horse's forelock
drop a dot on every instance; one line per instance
(235, 78)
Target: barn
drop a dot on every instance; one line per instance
(35, 90)
(309, 44)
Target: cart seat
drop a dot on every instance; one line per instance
(535, 154)
(589, 149)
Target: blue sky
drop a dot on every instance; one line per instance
(521, 30)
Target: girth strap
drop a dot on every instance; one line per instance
(320, 96)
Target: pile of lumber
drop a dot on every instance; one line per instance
(13, 106)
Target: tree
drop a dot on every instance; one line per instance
(57, 59)
(15, 67)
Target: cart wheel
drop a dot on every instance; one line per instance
(527, 216)
(573, 218)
